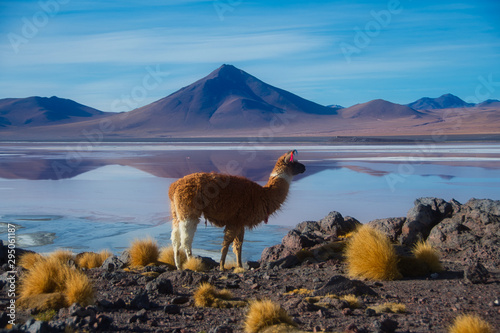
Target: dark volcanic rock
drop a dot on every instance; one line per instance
(476, 272)
(426, 213)
(112, 263)
(309, 234)
(392, 226)
(472, 232)
(339, 285)
(161, 285)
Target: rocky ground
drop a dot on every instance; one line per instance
(157, 299)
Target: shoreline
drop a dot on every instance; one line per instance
(326, 140)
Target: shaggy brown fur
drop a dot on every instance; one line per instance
(227, 201)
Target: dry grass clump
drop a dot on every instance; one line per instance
(470, 323)
(389, 307)
(425, 253)
(77, 288)
(52, 284)
(195, 264)
(266, 313)
(143, 252)
(238, 270)
(167, 256)
(370, 254)
(299, 291)
(208, 296)
(64, 256)
(29, 259)
(353, 300)
(90, 260)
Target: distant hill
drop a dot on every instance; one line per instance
(446, 101)
(226, 98)
(42, 111)
(380, 109)
(229, 102)
(489, 103)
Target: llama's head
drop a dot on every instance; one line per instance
(288, 166)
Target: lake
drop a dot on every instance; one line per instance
(91, 197)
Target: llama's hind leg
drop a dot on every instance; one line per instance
(176, 244)
(237, 245)
(187, 231)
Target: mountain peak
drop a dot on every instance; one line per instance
(442, 102)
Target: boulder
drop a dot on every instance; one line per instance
(425, 214)
(340, 285)
(309, 234)
(392, 226)
(472, 232)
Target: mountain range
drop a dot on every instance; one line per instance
(231, 102)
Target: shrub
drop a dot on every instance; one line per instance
(29, 259)
(470, 323)
(167, 256)
(208, 296)
(425, 253)
(143, 252)
(92, 260)
(389, 307)
(64, 256)
(370, 254)
(262, 314)
(195, 264)
(52, 284)
(353, 300)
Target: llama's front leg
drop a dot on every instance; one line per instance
(238, 243)
(176, 244)
(228, 239)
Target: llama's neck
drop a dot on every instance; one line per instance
(276, 191)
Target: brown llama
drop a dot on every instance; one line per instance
(227, 201)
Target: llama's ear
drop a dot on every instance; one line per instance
(291, 156)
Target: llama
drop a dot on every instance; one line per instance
(232, 202)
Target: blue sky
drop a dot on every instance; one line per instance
(118, 55)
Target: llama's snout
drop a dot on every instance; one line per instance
(299, 168)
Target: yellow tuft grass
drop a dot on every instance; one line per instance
(425, 253)
(167, 256)
(195, 264)
(52, 284)
(299, 291)
(29, 259)
(238, 270)
(92, 260)
(78, 288)
(470, 323)
(143, 252)
(353, 300)
(206, 295)
(370, 254)
(266, 313)
(64, 256)
(389, 307)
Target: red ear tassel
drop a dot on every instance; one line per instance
(291, 155)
